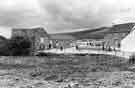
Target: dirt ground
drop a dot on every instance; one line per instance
(93, 71)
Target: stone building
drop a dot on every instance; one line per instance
(38, 37)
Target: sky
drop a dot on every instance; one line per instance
(63, 15)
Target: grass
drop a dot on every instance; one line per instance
(86, 70)
(64, 67)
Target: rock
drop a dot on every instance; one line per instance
(72, 85)
(37, 85)
(68, 86)
(60, 80)
(51, 77)
(35, 74)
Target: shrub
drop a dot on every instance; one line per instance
(20, 46)
(4, 51)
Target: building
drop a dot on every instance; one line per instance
(88, 44)
(112, 40)
(128, 43)
(61, 41)
(38, 37)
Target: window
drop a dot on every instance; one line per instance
(41, 40)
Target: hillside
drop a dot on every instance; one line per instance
(98, 33)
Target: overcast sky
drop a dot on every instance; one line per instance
(64, 15)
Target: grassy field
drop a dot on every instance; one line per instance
(56, 72)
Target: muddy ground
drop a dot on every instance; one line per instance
(93, 71)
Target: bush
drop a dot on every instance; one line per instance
(20, 46)
(4, 51)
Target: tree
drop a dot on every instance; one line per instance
(20, 46)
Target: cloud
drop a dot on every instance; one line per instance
(65, 15)
(73, 14)
(20, 13)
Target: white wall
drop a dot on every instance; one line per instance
(128, 43)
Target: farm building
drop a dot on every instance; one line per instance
(38, 37)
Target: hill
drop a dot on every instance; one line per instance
(98, 33)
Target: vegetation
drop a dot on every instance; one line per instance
(4, 46)
(19, 46)
(93, 71)
(4, 51)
